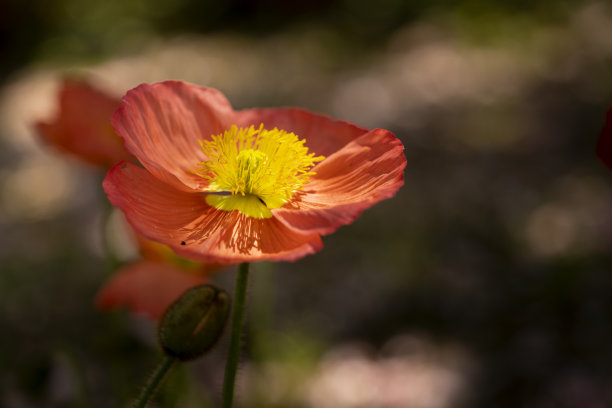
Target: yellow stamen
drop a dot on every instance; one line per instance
(253, 170)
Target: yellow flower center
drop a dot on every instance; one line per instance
(253, 170)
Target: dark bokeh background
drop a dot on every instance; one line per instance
(485, 282)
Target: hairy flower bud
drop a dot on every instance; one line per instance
(192, 324)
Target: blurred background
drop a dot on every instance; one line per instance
(485, 282)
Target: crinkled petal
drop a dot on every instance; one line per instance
(230, 236)
(82, 125)
(323, 134)
(193, 229)
(155, 209)
(367, 170)
(604, 144)
(162, 123)
(146, 288)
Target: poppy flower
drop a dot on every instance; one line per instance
(149, 285)
(238, 186)
(146, 288)
(604, 144)
(82, 125)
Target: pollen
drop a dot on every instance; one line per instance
(254, 170)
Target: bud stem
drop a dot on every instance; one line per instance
(233, 355)
(154, 381)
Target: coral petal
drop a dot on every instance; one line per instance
(82, 125)
(323, 134)
(155, 209)
(146, 288)
(195, 230)
(229, 236)
(367, 170)
(162, 123)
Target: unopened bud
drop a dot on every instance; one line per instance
(192, 324)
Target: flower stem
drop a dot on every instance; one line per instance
(154, 381)
(233, 355)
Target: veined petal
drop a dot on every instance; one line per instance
(162, 123)
(604, 144)
(323, 134)
(193, 229)
(367, 170)
(232, 237)
(146, 288)
(155, 209)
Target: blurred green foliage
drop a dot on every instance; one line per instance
(76, 30)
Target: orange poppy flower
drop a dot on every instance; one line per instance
(82, 125)
(238, 186)
(604, 144)
(148, 286)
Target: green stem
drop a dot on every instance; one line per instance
(233, 355)
(154, 381)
